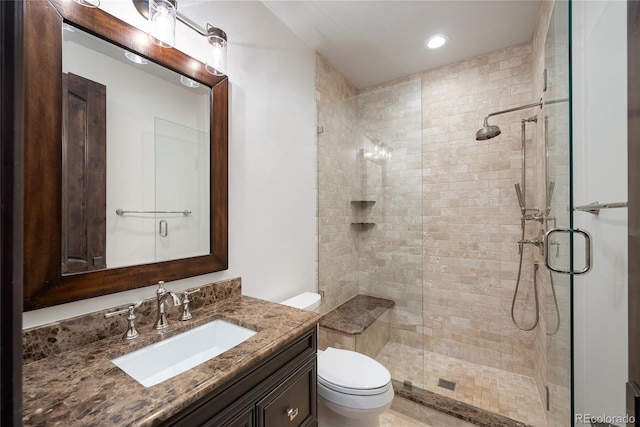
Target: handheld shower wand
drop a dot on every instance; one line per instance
(552, 186)
(520, 198)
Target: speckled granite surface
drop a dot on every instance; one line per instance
(44, 341)
(456, 408)
(81, 387)
(355, 315)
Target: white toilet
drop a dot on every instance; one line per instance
(353, 389)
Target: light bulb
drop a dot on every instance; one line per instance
(162, 22)
(217, 56)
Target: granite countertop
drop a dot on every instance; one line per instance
(82, 387)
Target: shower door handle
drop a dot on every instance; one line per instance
(588, 256)
(163, 229)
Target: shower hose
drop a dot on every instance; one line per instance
(535, 292)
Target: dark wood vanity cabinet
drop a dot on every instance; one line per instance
(277, 392)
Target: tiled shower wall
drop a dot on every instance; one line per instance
(391, 251)
(444, 199)
(469, 216)
(337, 145)
(383, 258)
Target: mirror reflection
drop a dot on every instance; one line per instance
(136, 173)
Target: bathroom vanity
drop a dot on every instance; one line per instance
(267, 380)
(68, 374)
(281, 391)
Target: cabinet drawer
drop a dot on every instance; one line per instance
(245, 420)
(292, 403)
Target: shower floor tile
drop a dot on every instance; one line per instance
(505, 393)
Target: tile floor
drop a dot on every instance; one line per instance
(512, 395)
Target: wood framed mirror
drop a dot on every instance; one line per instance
(45, 280)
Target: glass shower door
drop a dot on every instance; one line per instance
(586, 142)
(557, 287)
(370, 219)
(599, 156)
(181, 191)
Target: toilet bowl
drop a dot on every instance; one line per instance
(353, 389)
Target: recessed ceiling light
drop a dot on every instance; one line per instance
(436, 41)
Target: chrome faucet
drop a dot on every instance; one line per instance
(161, 315)
(132, 332)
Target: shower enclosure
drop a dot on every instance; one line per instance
(434, 224)
(370, 206)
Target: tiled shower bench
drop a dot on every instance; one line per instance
(360, 324)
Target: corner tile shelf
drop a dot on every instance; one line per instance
(363, 224)
(363, 204)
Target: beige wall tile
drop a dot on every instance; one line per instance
(444, 244)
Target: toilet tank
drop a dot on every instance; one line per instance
(305, 301)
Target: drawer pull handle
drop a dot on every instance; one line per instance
(292, 413)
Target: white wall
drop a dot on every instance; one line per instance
(600, 162)
(272, 170)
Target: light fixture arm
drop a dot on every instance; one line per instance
(189, 23)
(162, 31)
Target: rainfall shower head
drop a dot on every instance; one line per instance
(487, 132)
(491, 131)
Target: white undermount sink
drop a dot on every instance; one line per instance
(165, 359)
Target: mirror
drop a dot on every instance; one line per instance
(58, 264)
(136, 139)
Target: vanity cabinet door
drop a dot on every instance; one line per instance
(292, 403)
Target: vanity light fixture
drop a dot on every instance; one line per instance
(162, 22)
(162, 15)
(381, 152)
(135, 58)
(436, 41)
(217, 56)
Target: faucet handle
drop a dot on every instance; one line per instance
(185, 294)
(161, 289)
(186, 313)
(176, 300)
(131, 332)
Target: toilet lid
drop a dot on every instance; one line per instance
(350, 370)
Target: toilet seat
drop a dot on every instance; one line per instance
(353, 391)
(352, 373)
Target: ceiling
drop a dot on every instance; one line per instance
(372, 42)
